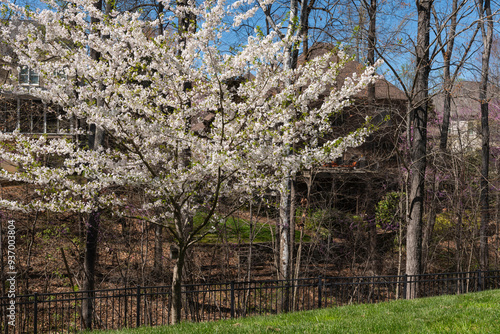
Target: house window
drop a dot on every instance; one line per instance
(472, 128)
(29, 77)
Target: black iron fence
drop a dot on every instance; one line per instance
(138, 306)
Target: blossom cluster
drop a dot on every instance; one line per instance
(230, 133)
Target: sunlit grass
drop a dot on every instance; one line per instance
(470, 313)
(237, 230)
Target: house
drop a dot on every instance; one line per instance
(22, 111)
(386, 111)
(350, 182)
(464, 133)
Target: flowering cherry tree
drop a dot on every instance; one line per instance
(181, 132)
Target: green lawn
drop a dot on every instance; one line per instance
(238, 230)
(471, 313)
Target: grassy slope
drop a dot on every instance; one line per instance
(238, 230)
(471, 313)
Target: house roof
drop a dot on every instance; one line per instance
(465, 103)
(384, 90)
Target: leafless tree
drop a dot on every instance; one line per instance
(486, 24)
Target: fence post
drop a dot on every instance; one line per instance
(35, 314)
(232, 299)
(479, 280)
(138, 315)
(485, 279)
(320, 292)
(405, 285)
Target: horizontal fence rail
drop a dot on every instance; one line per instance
(140, 306)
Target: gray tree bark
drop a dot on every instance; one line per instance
(290, 62)
(183, 224)
(418, 128)
(448, 83)
(486, 22)
(158, 248)
(176, 309)
(95, 141)
(372, 40)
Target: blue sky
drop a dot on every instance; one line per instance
(396, 25)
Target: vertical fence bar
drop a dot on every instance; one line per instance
(320, 292)
(138, 315)
(35, 313)
(264, 296)
(405, 285)
(232, 299)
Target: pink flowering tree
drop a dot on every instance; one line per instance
(182, 133)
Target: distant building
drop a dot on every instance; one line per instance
(464, 132)
(360, 178)
(21, 110)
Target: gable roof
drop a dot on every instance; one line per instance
(384, 90)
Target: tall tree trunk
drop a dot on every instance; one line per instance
(176, 309)
(458, 241)
(431, 221)
(304, 26)
(95, 141)
(497, 225)
(284, 242)
(290, 62)
(359, 33)
(158, 254)
(184, 225)
(372, 40)
(89, 269)
(418, 127)
(448, 83)
(486, 21)
(293, 197)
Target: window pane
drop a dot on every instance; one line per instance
(28, 76)
(34, 78)
(24, 75)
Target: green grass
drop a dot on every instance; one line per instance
(470, 313)
(238, 230)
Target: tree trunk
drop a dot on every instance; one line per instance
(448, 84)
(95, 141)
(290, 62)
(487, 33)
(445, 126)
(89, 268)
(372, 39)
(284, 243)
(431, 221)
(291, 242)
(418, 127)
(304, 26)
(497, 225)
(176, 309)
(458, 241)
(158, 256)
(184, 225)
